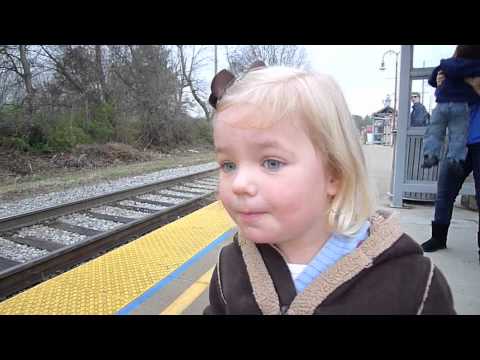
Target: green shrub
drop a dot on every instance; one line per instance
(11, 120)
(66, 135)
(41, 148)
(15, 142)
(202, 132)
(127, 132)
(100, 127)
(38, 137)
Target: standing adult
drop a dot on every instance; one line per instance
(419, 115)
(450, 181)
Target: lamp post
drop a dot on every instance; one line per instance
(215, 62)
(394, 130)
(382, 67)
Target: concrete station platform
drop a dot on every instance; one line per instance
(123, 279)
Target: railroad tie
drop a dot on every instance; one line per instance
(202, 186)
(176, 196)
(36, 242)
(209, 181)
(136, 208)
(196, 187)
(75, 229)
(152, 202)
(120, 219)
(186, 191)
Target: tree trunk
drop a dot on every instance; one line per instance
(188, 79)
(27, 74)
(27, 79)
(199, 101)
(61, 69)
(101, 73)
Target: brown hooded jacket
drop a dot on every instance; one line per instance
(387, 274)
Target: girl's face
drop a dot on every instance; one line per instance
(272, 181)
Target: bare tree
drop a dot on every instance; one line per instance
(26, 76)
(82, 69)
(16, 59)
(92, 88)
(105, 97)
(191, 61)
(11, 88)
(62, 62)
(76, 80)
(146, 85)
(243, 56)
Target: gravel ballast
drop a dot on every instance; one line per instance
(169, 200)
(110, 210)
(19, 252)
(51, 234)
(82, 192)
(89, 222)
(141, 205)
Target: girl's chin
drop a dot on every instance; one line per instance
(258, 238)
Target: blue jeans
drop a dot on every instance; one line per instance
(455, 117)
(450, 182)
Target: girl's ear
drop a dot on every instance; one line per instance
(332, 185)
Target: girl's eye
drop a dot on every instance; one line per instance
(228, 166)
(272, 164)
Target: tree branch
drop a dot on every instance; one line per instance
(61, 69)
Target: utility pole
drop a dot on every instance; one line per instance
(382, 67)
(423, 87)
(215, 49)
(394, 125)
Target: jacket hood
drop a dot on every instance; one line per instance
(382, 245)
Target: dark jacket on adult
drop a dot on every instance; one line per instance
(386, 274)
(454, 88)
(419, 115)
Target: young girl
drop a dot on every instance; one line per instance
(294, 180)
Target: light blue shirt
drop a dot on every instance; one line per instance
(336, 247)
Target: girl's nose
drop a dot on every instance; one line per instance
(244, 183)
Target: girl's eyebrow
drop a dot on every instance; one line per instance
(219, 149)
(260, 144)
(269, 144)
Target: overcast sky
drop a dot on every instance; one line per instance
(356, 69)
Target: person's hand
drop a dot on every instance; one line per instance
(440, 78)
(474, 82)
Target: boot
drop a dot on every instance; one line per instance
(439, 238)
(429, 161)
(458, 167)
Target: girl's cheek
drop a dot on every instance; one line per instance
(222, 192)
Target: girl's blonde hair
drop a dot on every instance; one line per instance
(317, 100)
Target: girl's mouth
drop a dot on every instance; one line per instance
(250, 216)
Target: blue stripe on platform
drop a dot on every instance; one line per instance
(167, 280)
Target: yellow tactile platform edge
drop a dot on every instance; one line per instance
(106, 284)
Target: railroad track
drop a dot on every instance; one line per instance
(45, 242)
